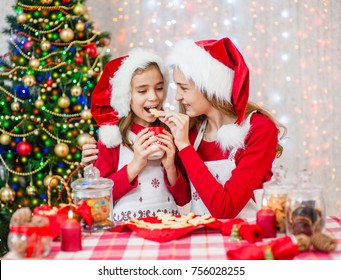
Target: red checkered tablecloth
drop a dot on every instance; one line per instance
(202, 244)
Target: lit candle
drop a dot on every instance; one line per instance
(266, 219)
(71, 234)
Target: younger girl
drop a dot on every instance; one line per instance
(142, 187)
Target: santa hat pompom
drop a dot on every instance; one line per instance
(110, 135)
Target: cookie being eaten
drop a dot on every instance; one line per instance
(154, 112)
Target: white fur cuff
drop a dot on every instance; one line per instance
(110, 135)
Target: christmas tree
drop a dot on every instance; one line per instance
(55, 59)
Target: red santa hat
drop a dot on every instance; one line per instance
(112, 95)
(218, 68)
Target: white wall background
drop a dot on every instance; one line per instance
(292, 48)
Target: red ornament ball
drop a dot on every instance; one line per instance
(24, 148)
(91, 50)
(49, 82)
(79, 60)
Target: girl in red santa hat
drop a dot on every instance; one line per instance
(227, 145)
(143, 185)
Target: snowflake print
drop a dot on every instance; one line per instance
(195, 196)
(155, 183)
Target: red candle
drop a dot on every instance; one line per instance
(71, 234)
(266, 219)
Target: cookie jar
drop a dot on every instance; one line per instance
(97, 192)
(305, 211)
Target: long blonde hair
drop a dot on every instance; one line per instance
(226, 108)
(124, 123)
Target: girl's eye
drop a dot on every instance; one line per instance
(142, 91)
(159, 89)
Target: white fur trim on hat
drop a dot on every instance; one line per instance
(232, 135)
(206, 72)
(110, 135)
(120, 82)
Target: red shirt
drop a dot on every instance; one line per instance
(107, 163)
(253, 167)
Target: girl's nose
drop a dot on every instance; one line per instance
(178, 95)
(152, 95)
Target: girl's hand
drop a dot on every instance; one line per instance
(166, 139)
(89, 152)
(179, 126)
(168, 160)
(141, 153)
(142, 148)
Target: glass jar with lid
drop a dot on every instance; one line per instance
(305, 211)
(97, 192)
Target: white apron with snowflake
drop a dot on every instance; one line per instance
(151, 194)
(221, 170)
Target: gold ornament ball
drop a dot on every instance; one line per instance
(21, 18)
(80, 26)
(34, 63)
(46, 2)
(79, 9)
(5, 139)
(29, 80)
(52, 181)
(86, 16)
(76, 91)
(39, 103)
(84, 138)
(61, 150)
(64, 102)
(31, 190)
(15, 106)
(86, 114)
(7, 194)
(45, 45)
(66, 35)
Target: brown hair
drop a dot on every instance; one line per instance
(124, 123)
(226, 108)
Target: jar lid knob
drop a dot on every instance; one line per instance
(91, 172)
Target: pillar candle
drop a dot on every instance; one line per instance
(71, 234)
(266, 219)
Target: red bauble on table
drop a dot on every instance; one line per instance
(24, 148)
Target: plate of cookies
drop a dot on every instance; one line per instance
(166, 227)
